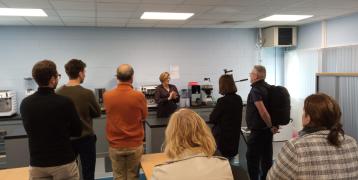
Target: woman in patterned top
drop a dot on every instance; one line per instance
(322, 151)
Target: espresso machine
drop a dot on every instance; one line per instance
(195, 94)
(8, 103)
(149, 93)
(206, 89)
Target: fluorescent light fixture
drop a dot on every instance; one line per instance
(166, 16)
(21, 12)
(281, 17)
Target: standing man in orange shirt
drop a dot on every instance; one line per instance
(126, 110)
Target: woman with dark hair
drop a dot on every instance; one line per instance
(322, 151)
(227, 117)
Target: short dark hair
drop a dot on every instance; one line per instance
(227, 84)
(43, 71)
(74, 67)
(125, 74)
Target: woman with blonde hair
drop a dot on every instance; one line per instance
(166, 96)
(322, 151)
(190, 146)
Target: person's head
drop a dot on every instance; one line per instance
(257, 73)
(187, 131)
(164, 78)
(125, 73)
(227, 85)
(45, 74)
(75, 70)
(321, 111)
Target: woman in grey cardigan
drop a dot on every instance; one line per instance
(322, 151)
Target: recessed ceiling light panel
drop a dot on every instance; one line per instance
(166, 16)
(21, 12)
(281, 17)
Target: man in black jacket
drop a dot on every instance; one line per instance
(259, 144)
(50, 120)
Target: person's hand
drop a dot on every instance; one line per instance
(170, 95)
(175, 95)
(274, 130)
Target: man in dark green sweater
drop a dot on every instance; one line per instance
(87, 108)
(50, 120)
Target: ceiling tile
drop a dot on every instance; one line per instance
(75, 13)
(49, 21)
(27, 3)
(78, 19)
(50, 12)
(13, 21)
(140, 25)
(117, 7)
(112, 20)
(141, 21)
(167, 26)
(111, 24)
(73, 5)
(245, 17)
(245, 2)
(163, 1)
(152, 8)
(172, 22)
(279, 4)
(194, 26)
(204, 2)
(208, 13)
(337, 4)
(120, 1)
(88, 24)
(213, 16)
(192, 8)
(114, 14)
(201, 22)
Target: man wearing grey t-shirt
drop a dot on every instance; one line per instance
(87, 109)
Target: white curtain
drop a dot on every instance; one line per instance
(300, 71)
(301, 67)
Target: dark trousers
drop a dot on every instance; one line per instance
(259, 153)
(86, 148)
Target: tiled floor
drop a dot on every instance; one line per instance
(100, 171)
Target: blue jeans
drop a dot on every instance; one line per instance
(85, 147)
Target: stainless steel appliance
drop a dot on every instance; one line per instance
(8, 103)
(195, 94)
(149, 92)
(99, 96)
(207, 89)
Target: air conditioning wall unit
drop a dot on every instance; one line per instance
(279, 36)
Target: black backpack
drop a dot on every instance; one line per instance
(279, 105)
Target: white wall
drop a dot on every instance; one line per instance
(198, 52)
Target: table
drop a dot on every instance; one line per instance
(148, 162)
(15, 173)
